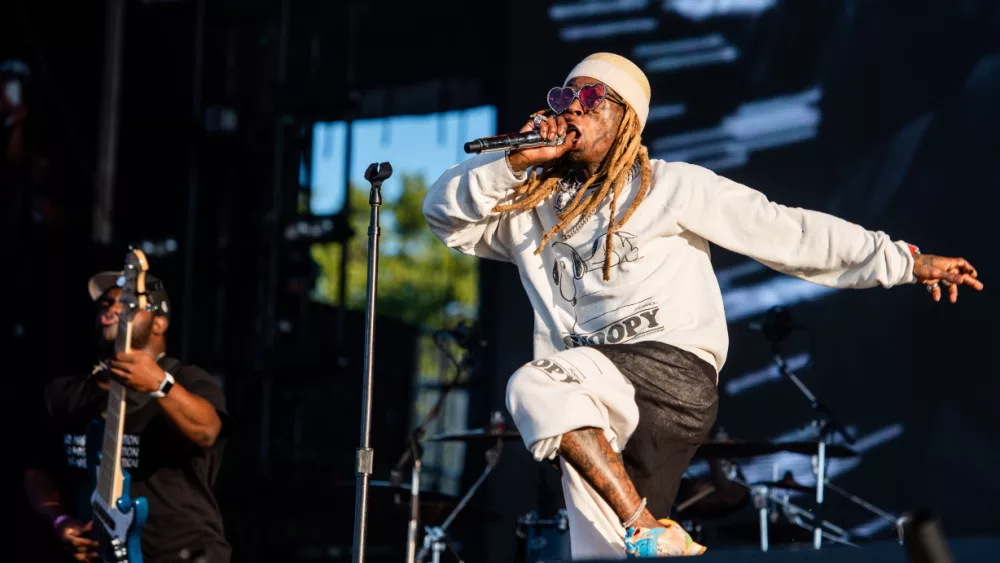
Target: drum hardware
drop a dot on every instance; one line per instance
(759, 495)
(393, 493)
(776, 326)
(476, 435)
(695, 498)
(787, 483)
(712, 496)
(543, 539)
(436, 537)
(729, 449)
(897, 521)
(416, 449)
(796, 515)
(767, 501)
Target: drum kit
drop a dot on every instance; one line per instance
(721, 493)
(710, 498)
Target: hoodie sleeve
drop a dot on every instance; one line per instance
(809, 245)
(459, 206)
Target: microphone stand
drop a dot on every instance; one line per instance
(375, 174)
(828, 424)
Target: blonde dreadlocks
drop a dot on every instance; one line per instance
(611, 176)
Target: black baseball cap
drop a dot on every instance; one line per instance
(155, 292)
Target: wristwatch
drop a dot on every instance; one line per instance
(165, 386)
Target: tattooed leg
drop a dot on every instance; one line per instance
(589, 452)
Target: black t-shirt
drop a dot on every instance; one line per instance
(172, 473)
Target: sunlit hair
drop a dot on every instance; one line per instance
(611, 176)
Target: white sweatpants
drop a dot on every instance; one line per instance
(574, 389)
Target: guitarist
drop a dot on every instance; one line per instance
(174, 436)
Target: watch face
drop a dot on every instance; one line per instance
(167, 384)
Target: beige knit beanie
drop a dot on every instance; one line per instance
(620, 74)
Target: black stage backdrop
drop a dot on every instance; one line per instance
(881, 113)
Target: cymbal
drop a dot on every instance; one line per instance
(475, 434)
(734, 449)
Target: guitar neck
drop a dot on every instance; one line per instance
(109, 477)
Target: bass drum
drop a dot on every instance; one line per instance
(543, 539)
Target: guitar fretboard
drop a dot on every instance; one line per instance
(109, 481)
(109, 478)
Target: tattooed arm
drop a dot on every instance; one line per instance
(589, 452)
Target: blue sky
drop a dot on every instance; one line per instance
(413, 144)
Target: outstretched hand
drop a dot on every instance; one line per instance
(935, 271)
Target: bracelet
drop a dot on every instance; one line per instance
(59, 520)
(638, 513)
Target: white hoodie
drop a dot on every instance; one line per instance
(662, 283)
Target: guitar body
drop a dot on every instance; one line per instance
(122, 523)
(118, 518)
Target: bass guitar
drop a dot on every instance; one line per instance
(118, 518)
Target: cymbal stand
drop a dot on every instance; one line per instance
(827, 425)
(797, 516)
(897, 521)
(764, 500)
(416, 451)
(435, 538)
(759, 494)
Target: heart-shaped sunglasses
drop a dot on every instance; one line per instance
(590, 96)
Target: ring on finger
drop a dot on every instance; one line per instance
(538, 120)
(932, 287)
(945, 283)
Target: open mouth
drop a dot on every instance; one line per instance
(109, 319)
(576, 139)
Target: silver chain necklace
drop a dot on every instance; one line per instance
(568, 190)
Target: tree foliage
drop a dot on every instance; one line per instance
(421, 281)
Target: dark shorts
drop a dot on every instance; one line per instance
(678, 400)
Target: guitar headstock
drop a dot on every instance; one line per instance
(133, 298)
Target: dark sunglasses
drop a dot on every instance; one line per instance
(590, 96)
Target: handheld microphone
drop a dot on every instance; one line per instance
(510, 142)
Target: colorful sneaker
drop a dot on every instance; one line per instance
(670, 540)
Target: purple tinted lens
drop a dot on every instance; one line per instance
(560, 99)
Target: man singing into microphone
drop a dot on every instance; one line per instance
(630, 332)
